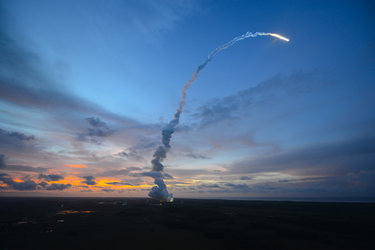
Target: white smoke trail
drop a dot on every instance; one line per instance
(160, 191)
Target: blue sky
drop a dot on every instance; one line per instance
(91, 84)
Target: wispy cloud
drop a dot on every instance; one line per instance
(21, 168)
(116, 172)
(335, 158)
(198, 156)
(268, 92)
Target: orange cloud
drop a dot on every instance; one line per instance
(104, 183)
(76, 166)
(73, 180)
(77, 185)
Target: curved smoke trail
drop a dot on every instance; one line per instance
(160, 190)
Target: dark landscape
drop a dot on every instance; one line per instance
(115, 223)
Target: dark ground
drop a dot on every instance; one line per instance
(35, 223)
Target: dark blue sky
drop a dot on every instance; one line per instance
(265, 117)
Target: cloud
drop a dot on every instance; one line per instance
(245, 178)
(331, 186)
(277, 88)
(107, 190)
(26, 83)
(238, 187)
(119, 183)
(130, 154)
(152, 19)
(155, 175)
(76, 166)
(90, 180)
(344, 185)
(55, 186)
(51, 177)
(191, 173)
(137, 151)
(2, 161)
(58, 117)
(23, 185)
(198, 156)
(95, 132)
(125, 171)
(209, 186)
(6, 179)
(12, 140)
(16, 135)
(335, 158)
(20, 168)
(30, 184)
(222, 188)
(98, 129)
(96, 122)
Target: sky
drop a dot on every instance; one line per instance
(87, 86)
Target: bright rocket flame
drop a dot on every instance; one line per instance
(280, 37)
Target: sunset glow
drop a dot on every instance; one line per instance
(76, 166)
(198, 99)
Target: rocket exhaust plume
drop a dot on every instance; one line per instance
(280, 37)
(160, 190)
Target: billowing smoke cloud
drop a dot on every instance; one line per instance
(160, 191)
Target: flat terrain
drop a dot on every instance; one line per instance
(97, 223)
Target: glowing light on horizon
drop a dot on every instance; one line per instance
(75, 212)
